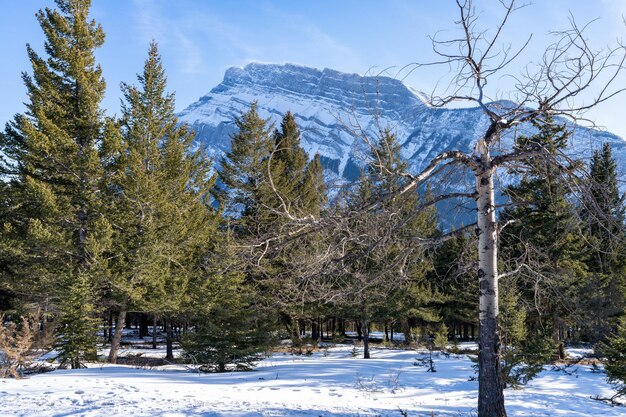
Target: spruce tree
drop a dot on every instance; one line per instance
(265, 174)
(313, 191)
(605, 295)
(56, 166)
(607, 212)
(231, 325)
(244, 172)
(615, 352)
(299, 188)
(160, 203)
(451, 274)
(523, 353)
(545, 235)
(381, 263)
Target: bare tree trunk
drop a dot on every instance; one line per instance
(154, 331)
(169, 336)
(490, 385)
(314, 329)
(366, 338)
(406, 330)
(110, 339)
(296, 340)
(143, 325)
(117, 338)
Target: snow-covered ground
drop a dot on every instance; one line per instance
(331, 382)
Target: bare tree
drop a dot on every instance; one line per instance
(568, 68)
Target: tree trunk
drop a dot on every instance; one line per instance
(154, 331)
(314, 329)
(143, 325)
(169, 335)
(117, 338)
(406, 330)
(490, 385)
(296, 340)
(110, 339)
(366, 339)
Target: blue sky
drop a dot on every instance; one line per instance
(199, 39)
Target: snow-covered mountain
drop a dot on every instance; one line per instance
(332, 108)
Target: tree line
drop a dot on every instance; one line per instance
(111, 219)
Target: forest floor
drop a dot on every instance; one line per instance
(330, 382)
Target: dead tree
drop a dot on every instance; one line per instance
(568, 68)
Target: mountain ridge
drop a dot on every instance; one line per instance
(333, 108)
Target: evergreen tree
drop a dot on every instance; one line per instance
(523, 354)
(608, 206)
(298, 188)
(453, 263)
(615, 352)
(56, 168)
(605, 295)
(232, 327)
(244, 172)
(160, 203)
(380, 261)
(545, 235)
(313, 191)
(299, 182)
(77, 339)
(267, 173)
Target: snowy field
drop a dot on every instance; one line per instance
(328, 383)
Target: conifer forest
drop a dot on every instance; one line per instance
(130, 254)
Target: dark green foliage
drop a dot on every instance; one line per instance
(605, 294)
(158, 193)
(615, 352)
(544, 235)
(384, 271)
(160, 198)
(244, 172)
(606, 210)
(268, 179)
(54, 161)
(452, 274)
(76, 339)
(299, 183)
(233, 330)
(523, 354)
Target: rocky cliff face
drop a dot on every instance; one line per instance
(335, 110)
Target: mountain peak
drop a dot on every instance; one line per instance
(334, 109)
(302, 80)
